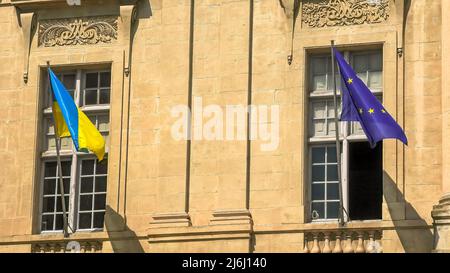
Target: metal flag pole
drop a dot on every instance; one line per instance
(338, 142)
(58, 156)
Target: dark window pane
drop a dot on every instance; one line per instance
(332, 210)
(318, 155)
(93, 119)
(99, 219)
(50, 169)
(318, 173)
(48, 204)
(91, 80)
(85, 202)
(85, 221)
(333, 191)
(90, 97)
(331, 154)
(49, 186)
(58, 203)
(59, 223)
(66, 184)
(104, 96)
(102, 167)
(100, 201)
(100, 183)
(87, 167)
(69, 81)
(66, 166)
(318, 192)
(87, 184)
(332, 174)
(318, 211)
(47, 222)
(105, 79)
(365, 181)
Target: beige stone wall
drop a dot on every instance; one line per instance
(172, 196)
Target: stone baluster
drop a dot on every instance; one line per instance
(42, 248)
(63, 247)
(305, 248)
(98, 247)
(326, 244)
(83, 247)
(56, 248)
(95, 247)
(315, 248)
(338, 247)
(89, 247)
(371, 244)
(360, 247)
(348, 244)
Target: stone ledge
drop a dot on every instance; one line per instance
(81, 236)
(167, 220)
(231, 217)
(43, 4)
(201, 233)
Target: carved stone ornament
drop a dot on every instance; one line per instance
(77, 31)
(328, 13)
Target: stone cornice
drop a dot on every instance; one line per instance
(33, 5)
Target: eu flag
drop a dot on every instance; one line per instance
(359, 104)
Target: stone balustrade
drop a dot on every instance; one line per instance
(67, 247)
(343, 241)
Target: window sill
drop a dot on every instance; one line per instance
(334, 224)
(79, 234)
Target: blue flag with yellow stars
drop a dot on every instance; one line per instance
(359, 104)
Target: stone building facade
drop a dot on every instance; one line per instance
(128, 63)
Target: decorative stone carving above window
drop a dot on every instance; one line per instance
(323, 13)
(77, 31)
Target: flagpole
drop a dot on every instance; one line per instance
(58, 158)
(338, 142)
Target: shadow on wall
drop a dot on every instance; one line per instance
(419, 239)
(122, 238)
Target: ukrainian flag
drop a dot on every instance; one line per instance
(72, 122)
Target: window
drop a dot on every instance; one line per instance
(84, 178)
(361, 179)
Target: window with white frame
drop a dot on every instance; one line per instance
(361, 166)
(84, 177)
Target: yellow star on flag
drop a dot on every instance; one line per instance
(361, 110)
(350, 81)
(383, 111)
(371, 111)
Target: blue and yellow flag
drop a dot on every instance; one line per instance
(359, 104)
(72, 122)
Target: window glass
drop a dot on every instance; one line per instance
(323, 121)
(97, 88)
(92, 196)
(325, 186)
(51, 218)
(369, 67)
